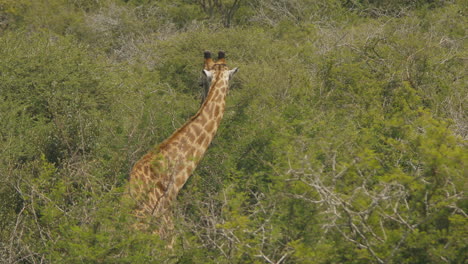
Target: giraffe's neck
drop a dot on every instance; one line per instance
(193, 138)
(157, 177)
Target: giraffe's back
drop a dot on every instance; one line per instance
(149, 183)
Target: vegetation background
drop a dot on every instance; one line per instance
(343, 141)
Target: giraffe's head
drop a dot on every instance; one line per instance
(214, 71)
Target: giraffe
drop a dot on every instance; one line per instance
(158, 176)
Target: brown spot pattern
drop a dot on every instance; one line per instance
(201, 138)
(197, 129)
(210, 126)
(190, 136)
(161, 186)
(180, 181)
(160, 174)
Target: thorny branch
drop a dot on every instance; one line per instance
(389, 201)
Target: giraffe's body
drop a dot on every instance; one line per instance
(158, 176)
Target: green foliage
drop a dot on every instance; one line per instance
(343, 139)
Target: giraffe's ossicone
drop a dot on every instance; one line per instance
(158, 176)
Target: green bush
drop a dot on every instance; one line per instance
(343, 139)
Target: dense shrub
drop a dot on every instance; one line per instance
(343, 140)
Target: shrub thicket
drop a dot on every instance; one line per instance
(343, 141)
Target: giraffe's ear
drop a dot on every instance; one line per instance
(232, 72)
(208, 74)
